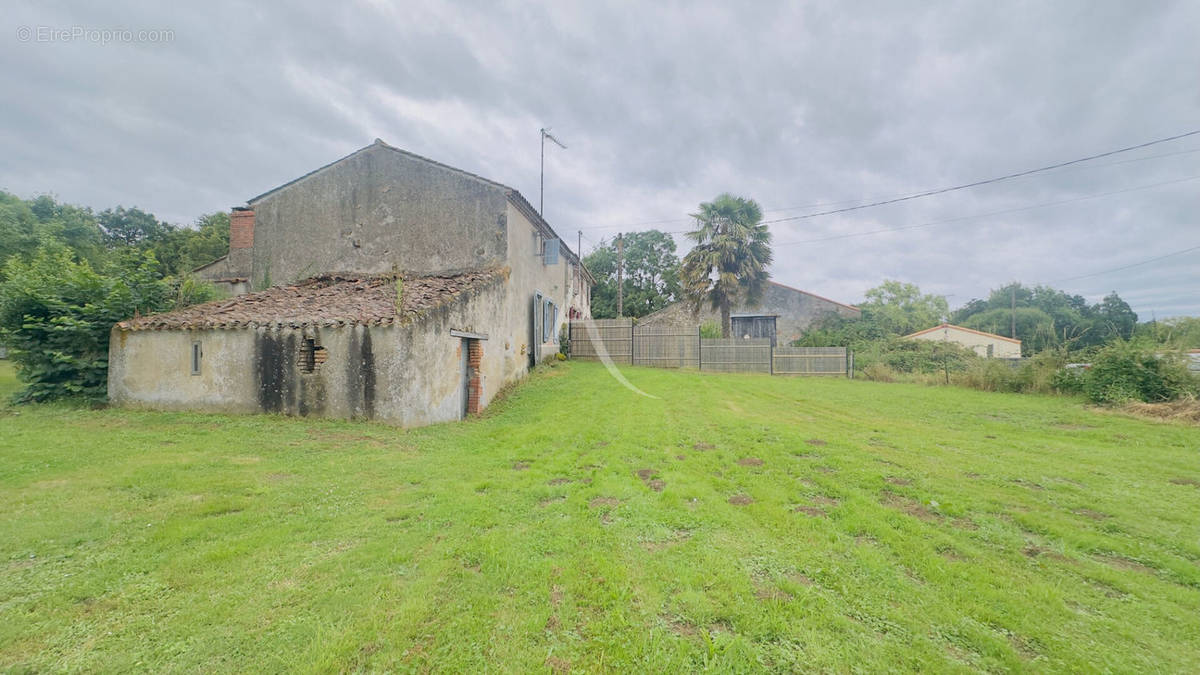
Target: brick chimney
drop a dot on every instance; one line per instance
(241, 241)
(241, 228)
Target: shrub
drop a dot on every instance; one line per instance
(1124, 371)
(56, 314)
(877, 372)
(710, 329)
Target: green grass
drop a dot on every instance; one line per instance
(890, 527)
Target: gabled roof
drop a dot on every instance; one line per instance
(819, 297)
(511, 193)
(965, 330)
(329, 300)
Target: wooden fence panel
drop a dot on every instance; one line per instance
(666, 347)
(733, 355)
(810, 361)
(613, 335)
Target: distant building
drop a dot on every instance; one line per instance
(984, 344)
(783, 314)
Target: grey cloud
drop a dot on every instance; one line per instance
(663, 105)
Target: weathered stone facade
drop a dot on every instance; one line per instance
(795, 311)
(379, 213)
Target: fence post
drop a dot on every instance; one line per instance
(771, 355)
(631, 342)
(850, 364)
(699, 350)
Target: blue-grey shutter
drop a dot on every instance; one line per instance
(550, 256)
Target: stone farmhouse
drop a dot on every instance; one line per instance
(783, 315)
(384, 285)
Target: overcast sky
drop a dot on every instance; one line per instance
(662, 106)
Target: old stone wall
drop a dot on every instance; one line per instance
(377, 211)
(796, 310)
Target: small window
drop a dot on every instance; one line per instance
(550, 252)
(311, 355)
(197, 355)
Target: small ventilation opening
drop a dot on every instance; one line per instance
(197, 355)
(311, 355)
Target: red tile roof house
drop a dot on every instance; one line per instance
(384, 286)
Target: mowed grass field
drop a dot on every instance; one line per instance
(737, 523)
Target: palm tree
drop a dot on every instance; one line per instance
(730, 259)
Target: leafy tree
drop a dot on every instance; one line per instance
(729, 262)
(892, 309)
(651, 275)
(900, 308)
(1117, 318)
(1035, 328)
(56, 313)
(1047, 317)
(131, 227)
(1181, 332)
(17, 228)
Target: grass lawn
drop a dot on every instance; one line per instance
(738, 523)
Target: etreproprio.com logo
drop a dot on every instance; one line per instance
(101, 36)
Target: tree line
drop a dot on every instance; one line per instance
(68, 273)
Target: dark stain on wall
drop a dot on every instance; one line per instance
(360, 373)
(272, 358)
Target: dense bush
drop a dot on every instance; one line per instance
(903, 356)
(56, 313)
(1125, 371)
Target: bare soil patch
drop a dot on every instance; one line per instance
(825, 469)
(908, 505)
(683, 628)
(558, 481)
(558, 665)
(767, 593)
(740, 500)
(646, 474)
(895, 480)
(1028, 484)
(703, 446)
(815, 441)
(825, 500)
(801, 579)
(964, 524)
(520, 466)
(750, 461)
(657, 485)
(1186, 481)
(810, 511)
(1123, 563)
(550, 500)
(603, 501)
(1089, 513)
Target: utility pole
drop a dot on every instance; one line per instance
(542, 178)
(620, 275)
(1012, 330)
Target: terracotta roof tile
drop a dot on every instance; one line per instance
(324, 300)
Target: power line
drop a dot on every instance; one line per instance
(1125, 267)
(928, 193)
(987, 181)
(985, 215)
